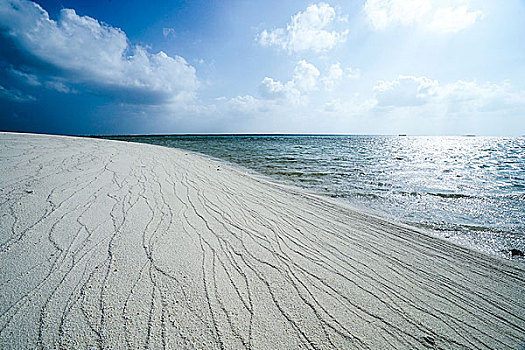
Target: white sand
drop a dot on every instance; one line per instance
(107, 244)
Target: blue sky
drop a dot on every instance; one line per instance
(423, 67)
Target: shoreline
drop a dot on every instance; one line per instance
(113, 244)
(476, 237)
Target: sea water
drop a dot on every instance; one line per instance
(470, 190)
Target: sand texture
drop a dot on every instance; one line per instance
(114, 245)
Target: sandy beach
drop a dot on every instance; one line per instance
(114, 245)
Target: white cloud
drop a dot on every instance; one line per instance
(28, 78)
(85, 51)
(457, 97)
(274, 89)
(307, 30)
(60, 87)
(383, 13)
(304, 80)
(408, 103)
(14, 95)
(405, 91)
(168, 32)
(444, 16)
(245, 104)
(452, 19)
(352, 105)
(333, 76)
(464, 96)
(353, 73)
(276, 95)
(305, 76)
(33, 80)
(303, 93)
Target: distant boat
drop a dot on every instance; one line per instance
(402, 135)
(470, 135)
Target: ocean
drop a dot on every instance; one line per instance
(469, 190)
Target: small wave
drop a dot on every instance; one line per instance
(451, 227)
(308, 180)
(285, 160)
(300, 174)
(337, 195)
(518, 185)
(450, 195)
(408, 194)
(354, 195)
(366, 195)
(288, 173)
(319, 174)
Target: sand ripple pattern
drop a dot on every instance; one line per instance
(114, 245)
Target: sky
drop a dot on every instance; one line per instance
(417, 67)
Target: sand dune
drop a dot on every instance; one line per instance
(114, 245)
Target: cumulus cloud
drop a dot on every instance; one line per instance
(336, 74)
(333, 76)
(274, 89)
(84, 51)
(276, 95)
(305, 76)
(306, 88)
(460, 96)
(308, 30)
(406, 90)
(444, 16)
(304, 80)
(304, 83)
(246, 104)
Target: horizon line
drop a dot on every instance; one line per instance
(251, 134)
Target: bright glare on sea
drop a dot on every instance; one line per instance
(470, 190)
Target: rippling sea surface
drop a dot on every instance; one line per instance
(470, 190)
